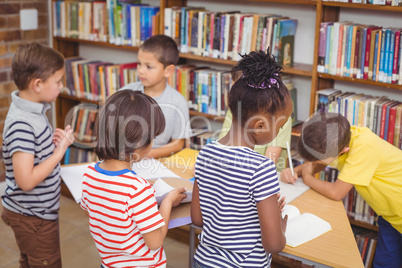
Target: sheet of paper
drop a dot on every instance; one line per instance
(292, 191)
(152, 169)
(162, 188)
(72, 177)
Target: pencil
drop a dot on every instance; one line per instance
(290, 158)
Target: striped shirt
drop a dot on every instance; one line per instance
(121, 207)
(231, 181)
(28, 130)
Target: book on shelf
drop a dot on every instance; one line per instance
(367, 52)
(322, 47)
(286, 37)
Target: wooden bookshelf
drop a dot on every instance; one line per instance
(324, 11)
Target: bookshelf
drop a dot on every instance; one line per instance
(324, 11)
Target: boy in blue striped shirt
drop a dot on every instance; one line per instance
(235, 197)
(32, 153)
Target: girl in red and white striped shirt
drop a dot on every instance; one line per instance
(124, 220)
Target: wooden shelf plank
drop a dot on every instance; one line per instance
(363, 224)
(360, 81)
(95, 43)
(74, 98)
(297, 2)
(298, 69)
(363, 6)
(209, 116)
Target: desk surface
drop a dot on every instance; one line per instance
(336, 248)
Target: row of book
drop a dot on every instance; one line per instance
(205, 89)
(83, 123)
(78, 155)
(372, 2)
(360, 51)
(96, 80)
(366, 241)
(225, 34)
(380, 114)
(112, 21)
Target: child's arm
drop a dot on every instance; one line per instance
(167, 150)
(273, 227)
(336, 191)
(273, 153)
(154, 239)
(29, 176)
(196, 216)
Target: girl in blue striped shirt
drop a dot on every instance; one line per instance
(236, 194)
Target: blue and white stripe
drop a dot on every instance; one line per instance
(231, 181)
(28, 130)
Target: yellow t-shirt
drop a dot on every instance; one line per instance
(374, 167)
(279, 141)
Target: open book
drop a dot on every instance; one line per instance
(154, 171)
(303, 228)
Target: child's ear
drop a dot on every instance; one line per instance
(36, 85)
(169, 70)
(345, 150)
(259, 125)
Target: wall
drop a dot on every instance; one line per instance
(10, 37)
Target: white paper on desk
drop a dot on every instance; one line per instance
(152, 169)
(147, 169)
(162, 189)
(292, 191)
(303, 228)
(72, 177)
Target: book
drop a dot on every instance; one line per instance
(396, 58)
(323, 46)
(324, 98)
(302, 228)
(372, 53)
(391, 122)
(391, 56)
(285, 36)
(367, 51)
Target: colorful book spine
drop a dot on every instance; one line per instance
(375, 55)
(386, 55)
(391, 56)
(328, 44)
(397, 56)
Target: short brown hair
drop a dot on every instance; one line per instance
(324, 135)
(33, 61)
(163, 47)
(128, 121)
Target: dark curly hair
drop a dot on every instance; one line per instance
(259, 87)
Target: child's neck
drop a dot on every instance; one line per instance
(235, 137)
(115, 165)
(155, 90)
(29, 95)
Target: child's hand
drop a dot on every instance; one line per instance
(286, 176)
(175, 196)
(57, 136)
(66, 140)
(281, 201)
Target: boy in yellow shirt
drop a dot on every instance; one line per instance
(367, 162)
